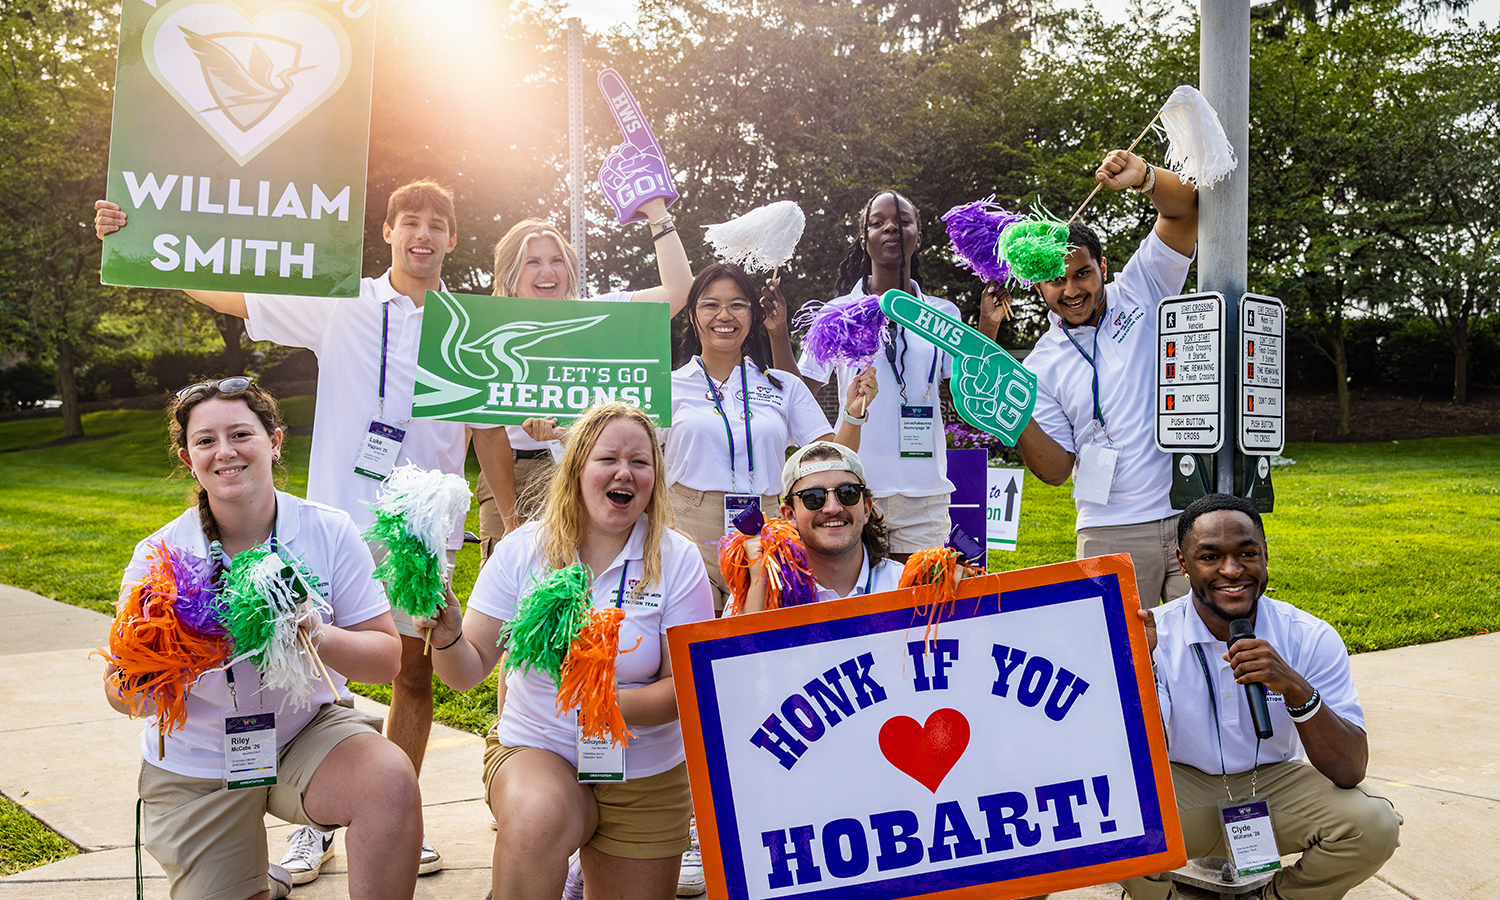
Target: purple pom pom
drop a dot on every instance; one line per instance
(798, 588)
(198, 605)
(848, 331)
(974, 228)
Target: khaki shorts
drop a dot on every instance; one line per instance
(212, 842)
(532, 477)
(400, 616)
(700, 516)
(915, 523)
(643, 818)
(1153, 551)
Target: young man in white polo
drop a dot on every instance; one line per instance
(367, 359)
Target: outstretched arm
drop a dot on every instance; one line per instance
(671, 263)
(1176, 201)
(109, 218)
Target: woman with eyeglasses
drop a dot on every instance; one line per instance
(333, 768)
(607, 511)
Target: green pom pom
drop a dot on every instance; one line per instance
(413, 577)
(260, 589)
(546, 620)
(1035, 249)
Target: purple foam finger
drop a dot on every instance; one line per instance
(966, 545)
(852, 331)
(974, 228)
(635, 171)
(749, 521)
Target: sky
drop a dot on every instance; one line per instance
(602, 14)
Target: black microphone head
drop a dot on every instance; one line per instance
(1241, 628)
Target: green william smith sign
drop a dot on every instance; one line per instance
(502, 360)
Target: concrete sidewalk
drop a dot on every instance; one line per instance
(1433, 712)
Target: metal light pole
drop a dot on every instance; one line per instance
(1224, 209)
(575, 147)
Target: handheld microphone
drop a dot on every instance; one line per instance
(1255, 692)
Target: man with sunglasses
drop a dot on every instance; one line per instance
(824, 495)
(363, 427)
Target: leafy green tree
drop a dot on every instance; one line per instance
(56, 70)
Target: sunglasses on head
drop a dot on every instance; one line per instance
(234, 384)
(846, 494)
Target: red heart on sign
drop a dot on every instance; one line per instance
(926, 752)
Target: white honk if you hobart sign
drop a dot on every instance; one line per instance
(238, 145)
(850, 749)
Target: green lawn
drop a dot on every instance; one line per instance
(1371, 537)
(26, 843)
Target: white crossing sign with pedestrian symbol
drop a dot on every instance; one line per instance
(1261, 379)
(1189, 373)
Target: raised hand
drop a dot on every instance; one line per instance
(108, 217)
(635, 171)
(994, 308)
(991, 391)
(773, 306)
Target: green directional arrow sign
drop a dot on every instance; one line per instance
(502, 360)
(992, 391)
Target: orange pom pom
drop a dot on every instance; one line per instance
(156, 657)
(935, 573)
(588, 677)
(789, 580)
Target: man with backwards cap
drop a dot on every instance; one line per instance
(823, 493)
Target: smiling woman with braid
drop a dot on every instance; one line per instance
(904, 446)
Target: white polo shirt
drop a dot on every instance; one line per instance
(530, 716)
(519, 439)
(923, 368)
(325, 540)
(885, 577)
(1126, 356)
(345, 334)
(698, 446)
(1308, 644)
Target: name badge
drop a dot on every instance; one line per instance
(1095, 473)
(599, 761)
(734, 504)
(250, 751)
(1252, 844)
(378, 451)
(918, 428)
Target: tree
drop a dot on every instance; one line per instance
(56, 62)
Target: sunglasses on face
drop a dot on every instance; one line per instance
(845, 494)
(234, 384)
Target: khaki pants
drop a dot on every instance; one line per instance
(1344, 835)
(700, 516)
(1153, 549)
(532, 476)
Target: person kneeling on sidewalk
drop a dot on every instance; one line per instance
(1311, 771)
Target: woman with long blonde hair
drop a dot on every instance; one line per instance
(607, 511)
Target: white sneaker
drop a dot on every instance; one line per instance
(309, 849)
(573, 887)
(690, 877)
(431, 861)
(281, 882)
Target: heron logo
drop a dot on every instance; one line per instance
(247, 80)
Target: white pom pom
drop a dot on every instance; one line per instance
(287, 665)
(427, 501)
(1198, 151)
(761, 239)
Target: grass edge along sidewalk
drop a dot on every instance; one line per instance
(1378, 539)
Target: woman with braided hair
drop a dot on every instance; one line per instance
(904, 448)
(332, 767)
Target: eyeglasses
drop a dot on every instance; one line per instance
(234, 384)
(711, 308)
(845, 494)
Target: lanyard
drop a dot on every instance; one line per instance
(1214, 705)
(869, 574)
(716, 397)
(620, 595)
(1093, 364)
(899, 363)
(385, 337)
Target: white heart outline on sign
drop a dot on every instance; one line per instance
(318, 34)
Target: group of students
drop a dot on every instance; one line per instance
(638, 507)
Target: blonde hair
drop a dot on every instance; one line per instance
(566, 516)
(510, 256)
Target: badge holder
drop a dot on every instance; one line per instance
(1095, 473)
(250, 751)
(599, 761)
(1248, 835)
(379, 450)
(736, 505)
(918, 426)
